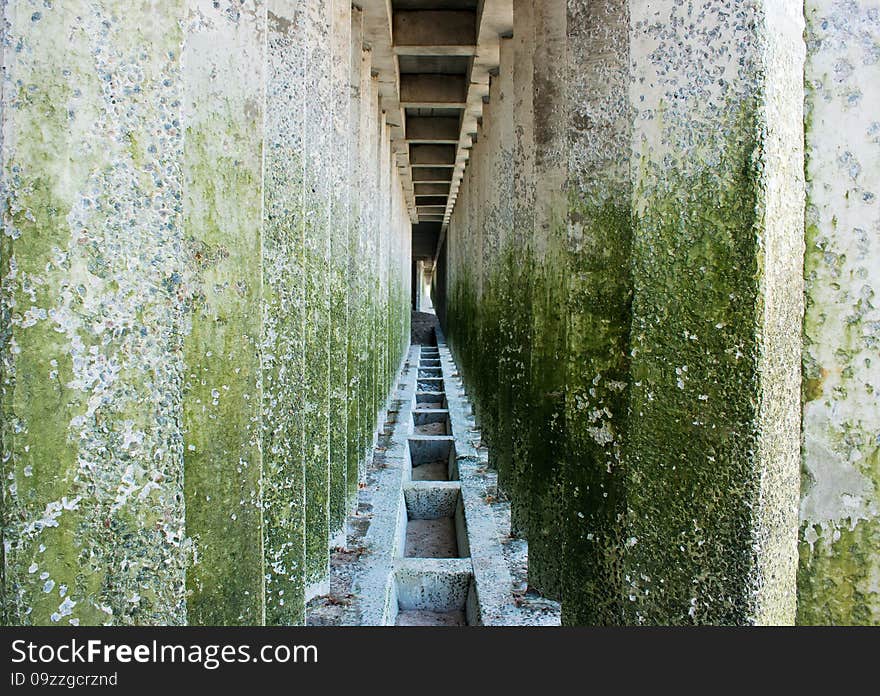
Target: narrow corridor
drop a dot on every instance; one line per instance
(441, 552)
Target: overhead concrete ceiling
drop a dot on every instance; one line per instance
(445, 50)
(433, 59)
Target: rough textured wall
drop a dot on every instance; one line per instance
(839, 577)
(222, 207)
(599, 226)
(712, 445)
(284, 315)
(173, 261)
(92, 261)
(317, 260)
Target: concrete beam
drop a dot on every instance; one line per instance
(431, 189)
(422, 201)
(428, 90)
(432, 155)
(495, 20)
(422, 175)
(432, 130)
(434, 28)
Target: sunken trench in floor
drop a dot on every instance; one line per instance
(434, 578)
(429, 543)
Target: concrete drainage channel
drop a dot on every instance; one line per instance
(436, 559)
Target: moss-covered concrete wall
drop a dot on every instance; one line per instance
(93, 258)
(190, 323)
(840, 503)
(221, 170)
(538, 276)
(712, 450)
(655, 252)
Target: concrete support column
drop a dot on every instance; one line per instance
(520, 262)
(596, 213)
(317, 263)
(713, 447)
(548, 283)
(340, 133)
(502, 450)
(284, 315)
(356, 338)
(223, 120)
(92, 269)
(840, 507)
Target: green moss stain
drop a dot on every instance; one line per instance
(690, 455)
(223, 387)
(597, 376)
(546, 445)
(92, 505)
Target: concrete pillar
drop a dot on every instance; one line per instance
(356, 342)
(599, 127)
(371, 251)
(341, 31)
(839, 523)
(365, 402)
(284, 315)
(713, 451)
(490, 309)
(548, 322)
(223, 121)
(316, 385)
(521, 262)
(502, 444)
(92, 265)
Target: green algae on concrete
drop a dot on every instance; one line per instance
(840, 500)
(340, 36)
(599, 294)
(284, 317)
(222, 203)
(356, 339)
(316, 383)
(598, 313)
(711, 450)
(548, 343)
(92, 518)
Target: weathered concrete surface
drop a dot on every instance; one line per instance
(839, 576)
(92, 364)
(221, 170)
(712, 449)
(514, 375)
(341, 31)
(284, 311)
(595, 96)
(318, 191)
(177, 245)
